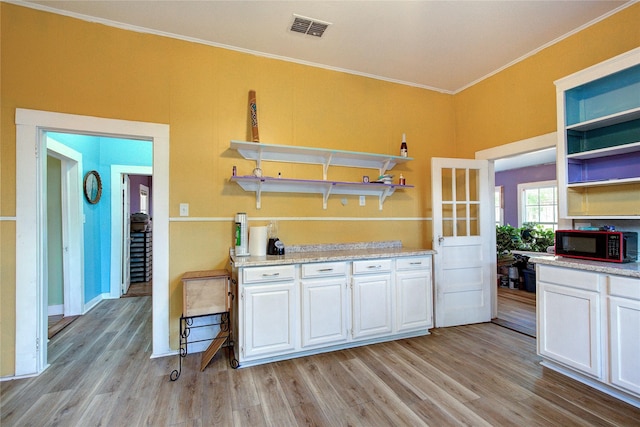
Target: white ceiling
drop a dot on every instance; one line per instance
(441, 45)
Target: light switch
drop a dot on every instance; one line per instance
(184, 209)
(362, 201)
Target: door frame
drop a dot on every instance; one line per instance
(117, 220)
(529, 145)
(72, 235)
(30, 309)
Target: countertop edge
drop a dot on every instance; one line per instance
(327, 256)
(622, 269)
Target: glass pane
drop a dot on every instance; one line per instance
(461, 185)
(447, 211)
(532, 214)
(474, 228)
(447, 182)
(474, 219)
(548, 213)
(474, 184)
(547, 196)
(531, 197)
(447, 228)
(461, 219)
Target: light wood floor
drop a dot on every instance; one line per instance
(517, 310)
(480, 375)
(139, 289)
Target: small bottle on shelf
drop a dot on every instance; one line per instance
(403, 146)
(401, 181)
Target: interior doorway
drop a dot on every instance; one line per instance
(513, 308)
(31, 308)
(137, 235)
(120, 217)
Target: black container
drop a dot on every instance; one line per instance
(529, 280)
(272, 248)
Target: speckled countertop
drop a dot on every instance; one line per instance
(630, 269)
(303, 254)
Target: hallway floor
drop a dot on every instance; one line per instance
(517, 310)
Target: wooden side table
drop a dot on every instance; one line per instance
(205, 293)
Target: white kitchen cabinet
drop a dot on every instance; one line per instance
(269, 312)
(414, 294)
(569, 329)
(324, 304)
(624, 334)
(372, 298)
(589, 328)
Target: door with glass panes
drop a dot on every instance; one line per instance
(463, 232)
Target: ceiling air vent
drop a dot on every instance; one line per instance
(309, 26)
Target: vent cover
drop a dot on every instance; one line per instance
(308, 26)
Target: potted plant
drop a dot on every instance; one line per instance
(507, 239)
(535, 238)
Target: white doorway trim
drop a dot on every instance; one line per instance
(529, 145)
(72, 234)
(31, 322)
(117, 221)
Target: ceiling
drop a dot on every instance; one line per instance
(441, 45)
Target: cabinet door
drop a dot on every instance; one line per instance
(324, 311)
(372, 305)
(413, 300)
(624, 317)
(269, 316)
(569, 327)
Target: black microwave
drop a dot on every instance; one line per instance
(610, 246)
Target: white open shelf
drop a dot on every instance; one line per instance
(259, 152)
(612, 119)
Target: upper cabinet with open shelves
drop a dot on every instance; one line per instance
(260, 152)
(599, 140)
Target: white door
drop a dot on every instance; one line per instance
(372, 313)
(324, 311)
(463, 232)
(413, 300)
(568, 330)
(625, 342)
(270, 315)
(126, 235)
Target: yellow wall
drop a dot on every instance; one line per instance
(520, 102)
(55, 63)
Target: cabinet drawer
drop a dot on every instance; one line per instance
(413, 263)
(625, 287)
(371, 266)
(276, 273)
(569, 277)
(323, 269)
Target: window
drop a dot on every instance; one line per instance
(499, 205)
(539, 203)
(144, 199)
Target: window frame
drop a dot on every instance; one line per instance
(536, 185)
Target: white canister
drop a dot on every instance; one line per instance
(258, 241)
(241, 235)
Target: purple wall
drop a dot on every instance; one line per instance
(510, 179)
(134, 191)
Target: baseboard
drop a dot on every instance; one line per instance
(591, 382)
(55, 310)
(91, 304)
